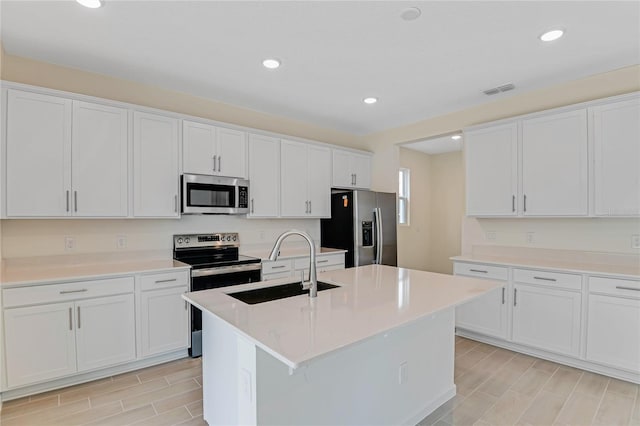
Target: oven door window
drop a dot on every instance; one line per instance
(207, 195)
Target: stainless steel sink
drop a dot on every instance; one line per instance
(261, 295)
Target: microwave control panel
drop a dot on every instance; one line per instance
(243, 197)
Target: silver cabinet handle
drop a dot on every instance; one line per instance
(75, 200)
(185, 303)
(525, 203)
(67, 200)
(355, 179)
(175, 203)
(215, 157)
(166, 281)
(322, 261)
(503, 295)
(82, 290)
(545, 279)
(70, 319)
(621, 287)
(278, 267)
(515, 296)
(479, 270)
(252, 210)
(310, 209)
(219, 163)
(79, 323)
(513, 203)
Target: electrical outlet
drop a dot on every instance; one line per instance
(491, 235)
(531, 237)
(121, 241)
(403, 373)
(635, 241)
(262, 235)
(245, 384)
(69, 243)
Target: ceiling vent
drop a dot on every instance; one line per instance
(496, 90)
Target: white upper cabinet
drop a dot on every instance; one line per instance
(351, 170)
(616, 139)
(305, 180)
(210, 150)
(264, 176)
(65, 158)
(39, 155)
(99, 155)
(156, 174)
(491, 156)
(554, 165)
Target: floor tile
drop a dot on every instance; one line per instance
(531, 381)
(471, 409)
(508, 409)
(128, 392)
(471, 358)
(160, 394)
(543, 409)
(30, 407)
(563, 381)
(45, 417)
(190, 373)
(623, 388)
(74, 393)
(615, 409)
(173, 417)
(544, 365)
(126, 417)
(92, 414)
(195, 408)
(578, 410)
(196, 421)
(185, 398)
(592, 384)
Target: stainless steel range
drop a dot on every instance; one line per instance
(215, 262)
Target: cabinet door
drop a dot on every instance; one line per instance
(198, 148)
(613, 333)
(39, 343)
(319, 172)
(164, 324)
(232, 153)
(342, 173)
(38, 155)
(486, 314)
(105, 331)
(293, 179)
(361, 169)
(264, 176)
(616, 129)
(547, 318)
(492, 171)
(155, 166)
(554, 165)
(99, 164)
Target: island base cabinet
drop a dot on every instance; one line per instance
(165, 322)
(40, 343)
(486, 314)
(547, 318)
(613, 334)
(398, 377)
(105, 331)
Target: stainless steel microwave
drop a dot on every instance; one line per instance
(205, 194)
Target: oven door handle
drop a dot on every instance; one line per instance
(225, 270)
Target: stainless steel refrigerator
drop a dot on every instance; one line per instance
(364, 224)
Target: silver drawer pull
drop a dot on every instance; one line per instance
(166, 281)
(73, 291)
(621, 287)
(279, 267)
(503, 295)
(515, 297)
(322, 261)
(79, 323)
(479, 270)
(545, 279)
(70, 319)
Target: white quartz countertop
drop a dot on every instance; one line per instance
(289, 252)
(372, 300)
(42, 270)
(619, 270)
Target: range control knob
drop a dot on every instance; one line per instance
(228, 237)
(186, 240)
(235, 238)
(179, 240)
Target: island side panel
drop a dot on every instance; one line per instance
(360, 384)
(228, 374)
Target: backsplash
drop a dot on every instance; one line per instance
(27, 238)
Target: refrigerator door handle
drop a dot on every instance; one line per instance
(377, 214)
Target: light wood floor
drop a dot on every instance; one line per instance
(495, 387)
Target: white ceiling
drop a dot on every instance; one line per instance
(437, 145)
(334, 53)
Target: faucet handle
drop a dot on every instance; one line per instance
(302, 277)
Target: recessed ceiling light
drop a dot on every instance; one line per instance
(92, 4)
(552, 35)
(370, 100)
(271, 63)
(410, 13)
(456, 137)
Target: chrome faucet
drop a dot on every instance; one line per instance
(313, 280)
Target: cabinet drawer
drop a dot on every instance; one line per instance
(614, 287)
(321, 261)
(481, 271)
(276, 276)
(546, 278)
(38, 294)
(165, 280)
(276, 267)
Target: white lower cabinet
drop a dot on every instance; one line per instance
(547, 318)
(164, 320)
(613, 334)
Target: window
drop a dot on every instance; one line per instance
(404, 177)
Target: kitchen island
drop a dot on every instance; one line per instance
(379, 349)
